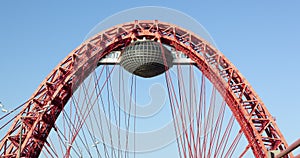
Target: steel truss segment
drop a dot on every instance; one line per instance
(47, 102)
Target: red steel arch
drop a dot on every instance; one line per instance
(38, 116)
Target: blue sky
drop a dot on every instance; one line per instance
(260, 37)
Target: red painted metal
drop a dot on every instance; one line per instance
(40, 113)
(292, 147)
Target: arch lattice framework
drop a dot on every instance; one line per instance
(54, 92)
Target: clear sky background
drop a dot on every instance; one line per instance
(261, 38)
